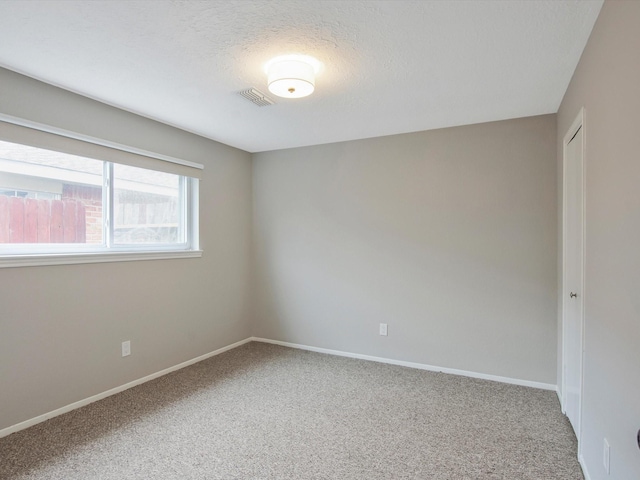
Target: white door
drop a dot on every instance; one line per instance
(573, 248)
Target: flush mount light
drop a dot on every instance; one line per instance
(292, 76)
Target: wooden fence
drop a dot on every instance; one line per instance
(27, 220)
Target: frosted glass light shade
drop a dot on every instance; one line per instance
(291, 78)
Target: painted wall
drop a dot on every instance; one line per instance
(61, 326)
(606, 83)
(448, 236)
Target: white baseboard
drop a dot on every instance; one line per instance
(560, 399)
(421, 366)
(81, 403)
(583, 465)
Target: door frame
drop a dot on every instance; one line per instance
(579, 122)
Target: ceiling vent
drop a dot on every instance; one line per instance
(257, 97)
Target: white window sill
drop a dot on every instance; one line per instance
(8, 261)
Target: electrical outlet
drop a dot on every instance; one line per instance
(606, 456)
(126, 348)
(383, 329)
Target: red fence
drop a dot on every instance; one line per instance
(27, 220)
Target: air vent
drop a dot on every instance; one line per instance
(257, 97)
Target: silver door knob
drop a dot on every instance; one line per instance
(573, 295)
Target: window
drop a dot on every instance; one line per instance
(148, 207)
(58, 205)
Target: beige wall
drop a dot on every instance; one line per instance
(448, 236)
(607, 84)
(61, 326)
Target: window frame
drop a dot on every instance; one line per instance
(35, 254)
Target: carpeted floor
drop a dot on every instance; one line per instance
(267, 412)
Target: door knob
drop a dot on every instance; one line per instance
(573, 295)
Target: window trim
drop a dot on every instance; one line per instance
(41, 127)
(10, 261)
(69, 254)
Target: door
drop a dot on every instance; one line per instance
(573, 265)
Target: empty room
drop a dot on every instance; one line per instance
(290, 239)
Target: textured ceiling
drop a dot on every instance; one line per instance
(389, 66)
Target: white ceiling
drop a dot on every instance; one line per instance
(389, 66)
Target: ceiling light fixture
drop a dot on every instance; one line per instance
(292, 76)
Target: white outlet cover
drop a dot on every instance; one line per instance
(383, 329)
(126, 348)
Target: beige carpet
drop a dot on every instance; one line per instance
(268, 412)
